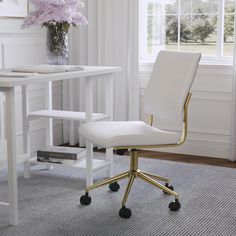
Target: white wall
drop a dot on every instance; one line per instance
(209, 112)
(18, 47)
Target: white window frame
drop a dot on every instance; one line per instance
(206, 59)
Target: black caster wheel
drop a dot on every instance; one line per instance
(174, 206)
(121, 152)
(114, 187)
(125, 212)
(85, 199)
(168, 186)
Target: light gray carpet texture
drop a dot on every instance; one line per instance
(49, 203)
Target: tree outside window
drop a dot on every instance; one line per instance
(190, 25)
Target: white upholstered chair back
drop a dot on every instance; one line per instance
(169, 84)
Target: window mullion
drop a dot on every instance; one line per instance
(220, 28)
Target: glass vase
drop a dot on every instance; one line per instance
(57, 45)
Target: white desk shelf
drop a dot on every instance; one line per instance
(66, 115)
(81, 164)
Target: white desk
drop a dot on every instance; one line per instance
(8, 84)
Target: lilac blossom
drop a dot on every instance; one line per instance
(50, 12)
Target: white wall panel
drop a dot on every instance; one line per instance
(25, 47)
(209, 112)
(21, 54)
(210, 116)
(213, 79)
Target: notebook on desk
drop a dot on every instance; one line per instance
(16, 74)
(46, 69)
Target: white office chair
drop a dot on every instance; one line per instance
(167, 97)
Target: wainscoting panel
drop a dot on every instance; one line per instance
(20, 49)
(209, 112)
(32, 53)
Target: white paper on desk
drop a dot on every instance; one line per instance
(16, 74)
(47, 69)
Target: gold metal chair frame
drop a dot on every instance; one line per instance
(135, 172)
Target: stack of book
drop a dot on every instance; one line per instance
(60, 155)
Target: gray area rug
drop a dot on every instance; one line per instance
(49, 203)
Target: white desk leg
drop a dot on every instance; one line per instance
(49, 121)
(26, 131)
(109, 110)
(48, 105)
(109, 158)
(72, 108)
(65, 106)
(11, 152)
(109, 95)
(89, 146)
(82, 141)
(89, 163)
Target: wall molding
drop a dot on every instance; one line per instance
(26, 48)
(212, 96)
(211, 99)
(21, 34)
(202, 66)
(201, 132)
(206, 95)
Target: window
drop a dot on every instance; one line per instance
(191, 25)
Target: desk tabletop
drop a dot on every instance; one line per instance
(39, 78)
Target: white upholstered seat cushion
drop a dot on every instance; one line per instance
(126, 133)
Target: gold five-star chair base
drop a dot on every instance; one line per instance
(132, 174)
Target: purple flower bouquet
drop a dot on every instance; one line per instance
(57, 16)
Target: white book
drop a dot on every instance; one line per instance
(46, 69)
(16, 74)
(59, 152)
(57, 160)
